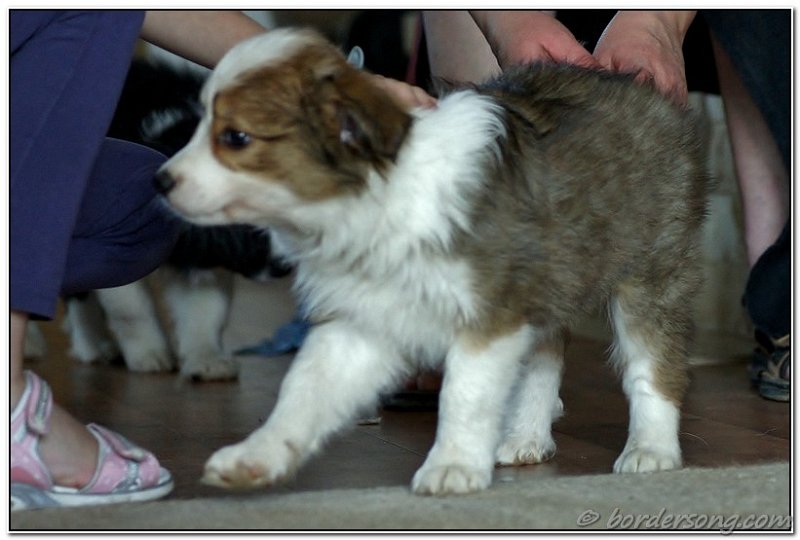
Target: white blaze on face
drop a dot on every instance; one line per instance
(208, 192)
(200, 192)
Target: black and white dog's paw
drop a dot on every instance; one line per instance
(210, 367)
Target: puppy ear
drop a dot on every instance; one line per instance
(370, 123)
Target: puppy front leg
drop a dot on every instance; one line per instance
(337, 374)
(477, 384)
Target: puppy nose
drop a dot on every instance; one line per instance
(164, 181)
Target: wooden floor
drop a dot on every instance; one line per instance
(724, 421)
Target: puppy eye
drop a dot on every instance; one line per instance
(234, 139)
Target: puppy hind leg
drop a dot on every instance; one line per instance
(535, 405)
(650, 350)
(337, 374)
(477, 383)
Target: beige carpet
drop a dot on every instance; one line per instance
(685, 499)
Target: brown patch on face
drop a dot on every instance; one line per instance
(313, 123)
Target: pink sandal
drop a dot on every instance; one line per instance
(124, 473)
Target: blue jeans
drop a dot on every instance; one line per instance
(83, 211)
(759, 45)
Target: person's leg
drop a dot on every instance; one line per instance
(756, 44)
(759, 45)
(67, 69)
(124, 230)
(69, 450)
(17, 326)
(66, 73)
(767, 291)
(762, 177)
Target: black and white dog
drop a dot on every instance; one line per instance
(159, 108)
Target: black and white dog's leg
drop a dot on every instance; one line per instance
(477, 383)
(35, 347)
(199, 303)
(650, 351)
(132, 318)
(85, 324)
(535, 405)
(338, 373)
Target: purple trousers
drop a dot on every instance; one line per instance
(83, 210)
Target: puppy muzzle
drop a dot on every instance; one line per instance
(164, 181)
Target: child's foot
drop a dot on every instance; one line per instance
(56, 461)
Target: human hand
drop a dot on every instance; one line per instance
(648, 43)
(405, 94)
(525, 36)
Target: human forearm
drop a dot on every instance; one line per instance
(670, 24)
(201, 36)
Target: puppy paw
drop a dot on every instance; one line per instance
(450, 480)
(644, 459)
(102, 352)
(247, 465)
(145, 360)
(520, 451)
(210, 368)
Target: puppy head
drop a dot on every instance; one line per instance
(287, 122)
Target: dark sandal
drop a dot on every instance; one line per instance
(776, 379)
(770, 370)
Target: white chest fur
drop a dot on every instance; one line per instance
(383, 259)
(418, 308)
